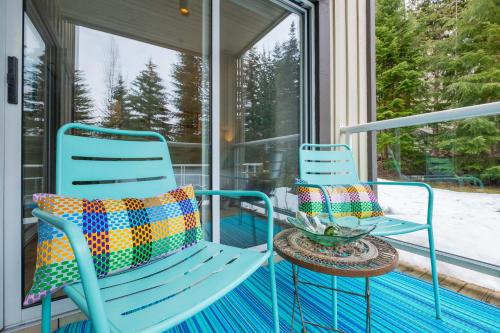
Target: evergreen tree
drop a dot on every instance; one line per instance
(271, 90)
(111, 72)
(277, 52)
(148, 102)
(255, 124)
(288, 86)
(399, 57)
(472, 64)
(82, 102)
(474, 55)
(453, 48)
(399, 73)
(118, 109)
(268, 94)
(34, 96)
(187, 76)
(437, 23)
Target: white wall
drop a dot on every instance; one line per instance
(349, 74)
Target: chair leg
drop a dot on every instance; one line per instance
(435, 281)
(46, 316)
(274, 295)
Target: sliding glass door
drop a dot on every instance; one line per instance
(120, 64)
(227, 82)
(133, 71)
(260, 116)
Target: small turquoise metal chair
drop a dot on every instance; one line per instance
(333, 164)
(440, 170)
(160, 295)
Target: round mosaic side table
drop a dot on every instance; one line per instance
(370, 256)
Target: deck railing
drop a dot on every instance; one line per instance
(482, 110)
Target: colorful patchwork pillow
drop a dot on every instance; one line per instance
(121, 234)
(346, 200)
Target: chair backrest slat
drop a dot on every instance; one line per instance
(95, 167)
(327, 164)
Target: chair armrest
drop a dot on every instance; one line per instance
(325, 194)
(86, 268)
(257, 194)
(430, 191)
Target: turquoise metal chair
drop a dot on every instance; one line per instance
(333, 164)
(160, 295)
(437, 170)
(442, 169)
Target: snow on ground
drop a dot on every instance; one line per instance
(466, 224)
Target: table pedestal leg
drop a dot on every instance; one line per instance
(293, 309)
(296, 299)
(334, 302)
(335, 290)
(368, 308)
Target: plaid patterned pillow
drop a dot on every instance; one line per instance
(121, 234)
(346, 200)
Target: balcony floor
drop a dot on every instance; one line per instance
(400, 303)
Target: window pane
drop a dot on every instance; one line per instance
(136, 85)
(35, 117)
(463, 172)
(260, 112)
(120, 64)
(35, 136)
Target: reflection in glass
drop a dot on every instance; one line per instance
(145, 87)
(161, 85)
(34, 114)
(117, 67)
(260, 113)
(35, 136)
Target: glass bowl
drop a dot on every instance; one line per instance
(330, 233)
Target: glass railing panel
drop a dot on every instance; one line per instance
(461, 161)
(260, 109)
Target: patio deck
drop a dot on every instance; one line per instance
(400, 303)
(244, 234)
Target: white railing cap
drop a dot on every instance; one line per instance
(489, 109)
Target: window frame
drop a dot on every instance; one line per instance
(11, 43)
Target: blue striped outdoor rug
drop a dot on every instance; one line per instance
(400, 303)
(245, 232)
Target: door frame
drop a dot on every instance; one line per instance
(12, 219)
(306, 11)
(3, 110)
(12, 315)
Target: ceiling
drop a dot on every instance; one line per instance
(159, 22)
